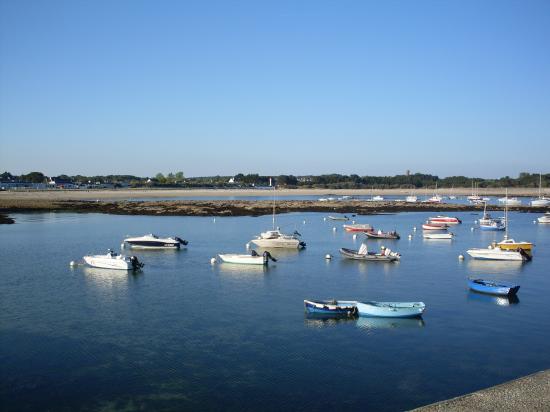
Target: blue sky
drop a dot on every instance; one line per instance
(282, 87)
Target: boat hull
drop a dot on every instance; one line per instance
(278, 243)
(243, 259)
(434, 227)
(358, 228)
(330, 307)
(105, 263)
(375, 235)
(540, 203)
(491, 288)
(496, 254)
(152, 244)
(441, 236)
(391, 309)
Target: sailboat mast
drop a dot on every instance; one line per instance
(506, 216)
(273, 205)
(540, 185)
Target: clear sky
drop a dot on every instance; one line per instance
(280, 87)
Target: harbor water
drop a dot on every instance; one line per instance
(185, 334)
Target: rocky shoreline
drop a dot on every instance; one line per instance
(232, 207)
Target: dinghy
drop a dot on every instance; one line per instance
(358, 228)
(447, 220)
(436, 226)
(391, 309)
(492, 288)
(344, 218)
(382, 235)
(252, 259)
(386, 254)
(331, 307)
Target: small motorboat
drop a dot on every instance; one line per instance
(382, 235)
(434, 226)
(411, 199)
(434, 199)
(331, 307)
(344, 218)
(447, 220)
(251, 259)
(512, 245)
(276, 239)
(358, 228)
(496, 253)
(492, 288)
(437, 235)
(152, 241)
(112, 260)
(391, 309)
(545, 218)
(385, 255)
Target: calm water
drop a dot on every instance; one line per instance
(184, 334)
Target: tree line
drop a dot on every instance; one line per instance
(326, 181)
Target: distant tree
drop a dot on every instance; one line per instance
(160, 178)
(179, 176)
(34, 177)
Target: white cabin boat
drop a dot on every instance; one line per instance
(112, 260)
(545, 218)
(276, 239)
(497, 254)
(250, 259)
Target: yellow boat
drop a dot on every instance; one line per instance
(511, 244)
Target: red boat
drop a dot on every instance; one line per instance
(436, 226)
(445, 220)
(358, 228)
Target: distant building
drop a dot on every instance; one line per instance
(231, 181)
(59, 183)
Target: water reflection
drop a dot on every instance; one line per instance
(279, 253)
(497, 300)
(109, 278)
(242, 271)
(495, 266)
(319, 320)
(389, 323)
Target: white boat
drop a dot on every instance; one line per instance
(276, 239)
(251, 259)
(447, 220)
(390, 309)
(152, 241)
(112, 260)
(474, 197)
(541, 201)
(430, 235)
(411, 199)
(497, 254)
(510, 201)
(433, 199)
(545, 218)
(377, 199)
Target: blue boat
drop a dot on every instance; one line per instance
(331, 307)
(494, 224)
(492, 288)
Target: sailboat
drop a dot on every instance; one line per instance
(451, 194)
(474, 198)
(488, 223)
(541, 201)
(507, 249)
(274, 238)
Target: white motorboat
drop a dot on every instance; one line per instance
(497, 254)
(545, 218)
(541, 201)
(510, 201)
(447, 220)
(411, 199)
(112, 260)
(377, 198)
(429, 235)
(276, 239)
(251, 259)
(152, 241)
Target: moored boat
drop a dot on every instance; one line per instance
(390, 309)
(250, 259)
(152, 241)
(411, 199)
(492, 288)
(447, 220)
(364, 227)
(541, 201)
(112, 260)
(545, 218)
(382, 235)
(493, 224)
(345, 218)
(437, 235)
(510, 201)
(511, 244)
(331, 307)
(436, 226)
(386, 255)
(276, 239)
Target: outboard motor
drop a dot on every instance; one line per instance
(182, 241)
(136, 264)
(302, 244)
(253, 253)
(525, 255)
(267, 256)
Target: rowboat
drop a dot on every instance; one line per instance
(251, 259)
(492, 288)
(362, 254)
(447, 220)
(345, 218)
(431, 226)
(383, 235)
(437, 235)
(391, 309)
(331, 307)
(358, 228)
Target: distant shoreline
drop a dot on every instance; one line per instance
(120, 194)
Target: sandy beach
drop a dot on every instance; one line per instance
(120, 194)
